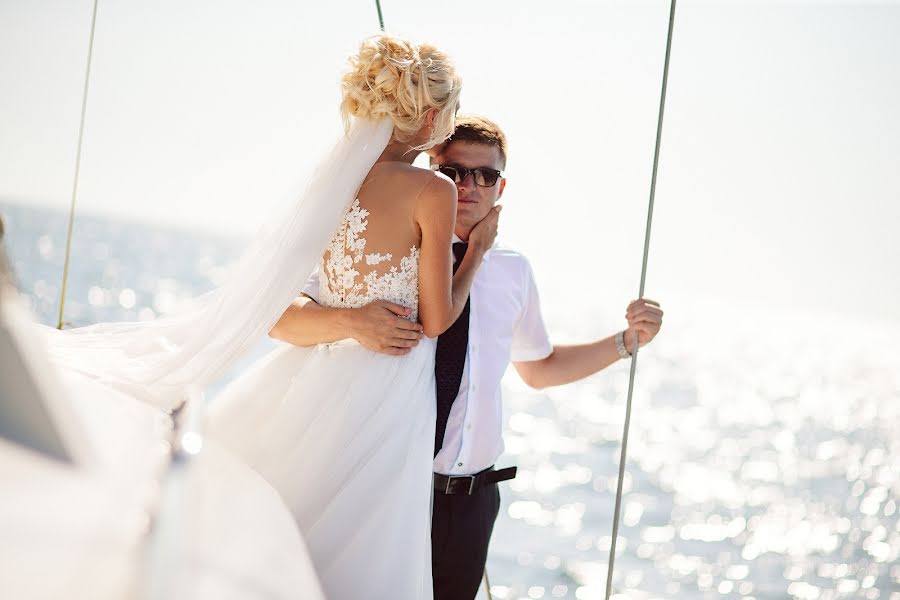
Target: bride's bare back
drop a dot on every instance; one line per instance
(376, 251)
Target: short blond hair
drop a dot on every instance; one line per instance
(480, 130)
(394, 78)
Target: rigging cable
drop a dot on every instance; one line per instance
(380, 16)
(84, 99)
(634, 350)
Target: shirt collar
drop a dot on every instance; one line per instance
(487, 255)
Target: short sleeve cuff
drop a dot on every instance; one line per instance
(529, 354)
(311, 288)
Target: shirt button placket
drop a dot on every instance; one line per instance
(473, 372)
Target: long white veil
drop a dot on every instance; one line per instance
(156, 361)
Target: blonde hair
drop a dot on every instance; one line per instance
(391, 77)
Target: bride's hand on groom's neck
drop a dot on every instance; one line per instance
(484, 233)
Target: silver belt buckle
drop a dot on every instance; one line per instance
(452, 477)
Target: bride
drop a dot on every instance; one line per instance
(344, 434)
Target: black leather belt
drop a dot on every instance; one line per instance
(469, 484)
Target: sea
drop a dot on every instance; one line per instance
(763, 459)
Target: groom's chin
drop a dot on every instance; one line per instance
(468, 213)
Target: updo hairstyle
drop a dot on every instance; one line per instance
(391, 77)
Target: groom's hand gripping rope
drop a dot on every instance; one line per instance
(644, 318)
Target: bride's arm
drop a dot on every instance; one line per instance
(442, 296)
(380, 326)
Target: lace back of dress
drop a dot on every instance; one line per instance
(352, 277)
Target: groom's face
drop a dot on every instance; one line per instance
(474, 202)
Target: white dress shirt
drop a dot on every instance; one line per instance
(505, 324)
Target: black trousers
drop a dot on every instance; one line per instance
(461, 528)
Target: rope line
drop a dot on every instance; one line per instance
(380, 16)
(84, 98)
(634, 351)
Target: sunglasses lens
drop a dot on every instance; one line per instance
(451, 172)
(483, 177)
(486, 177)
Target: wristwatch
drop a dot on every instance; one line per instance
(620, 345)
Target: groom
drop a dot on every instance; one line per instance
(502, 323)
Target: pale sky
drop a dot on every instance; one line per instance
(778, 173)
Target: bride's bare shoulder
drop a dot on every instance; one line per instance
(435, 199)
(399, 172)
(416, 182)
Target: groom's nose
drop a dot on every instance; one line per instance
(468, 183)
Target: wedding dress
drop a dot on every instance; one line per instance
(345, 434)
(158, 361)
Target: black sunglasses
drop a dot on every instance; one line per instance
(483, 176)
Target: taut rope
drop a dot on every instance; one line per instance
(634, 350)
(84, 99)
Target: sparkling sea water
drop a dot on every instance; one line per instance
(763, 458)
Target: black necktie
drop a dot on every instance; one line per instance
(449, 360)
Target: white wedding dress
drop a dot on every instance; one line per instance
(346, 435)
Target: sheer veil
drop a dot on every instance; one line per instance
(156, 361)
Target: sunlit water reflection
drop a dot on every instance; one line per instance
(763, 462)
(763, 456)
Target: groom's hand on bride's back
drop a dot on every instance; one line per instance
(385, 327)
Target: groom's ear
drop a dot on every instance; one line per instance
(502, 187)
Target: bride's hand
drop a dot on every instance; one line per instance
(485, 232)
(381, 326)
